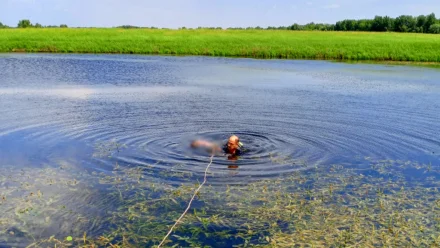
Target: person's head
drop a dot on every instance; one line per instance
(233, 144)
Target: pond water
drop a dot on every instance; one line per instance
(83, 118)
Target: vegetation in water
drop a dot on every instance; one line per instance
(234, 43)
(384, 203)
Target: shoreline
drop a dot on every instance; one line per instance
(351, 47)
(377, 62)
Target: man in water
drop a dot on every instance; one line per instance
(232, 147)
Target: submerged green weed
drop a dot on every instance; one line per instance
(389, 203)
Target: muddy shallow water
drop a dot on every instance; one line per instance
(94, 113)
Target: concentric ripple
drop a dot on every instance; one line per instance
(144, 111)
(263, 155)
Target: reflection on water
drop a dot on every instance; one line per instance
(113, 93)
(92, 113)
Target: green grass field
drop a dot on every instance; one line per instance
(233, 43)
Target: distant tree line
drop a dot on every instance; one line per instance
(134, 27)
(403, 23)
(28, 24)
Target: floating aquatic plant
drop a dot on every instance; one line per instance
(381, 204)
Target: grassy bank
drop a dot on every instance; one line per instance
(233, 43)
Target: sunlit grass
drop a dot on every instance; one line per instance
(233, 43)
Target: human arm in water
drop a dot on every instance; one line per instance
(210, 146)
(232, 147)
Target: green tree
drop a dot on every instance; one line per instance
(435, 28)
(421, 21)
(24, 24)
(38, 25)
(364, 25)
(63, 26)
(382, 24)
(126, 27)
(310, 26)
(351, 25)
(378, 24)
(430, 20)
(340, 26)
(346, 25)
(296, 26)
(405, 23)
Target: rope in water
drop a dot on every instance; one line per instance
(189, 204)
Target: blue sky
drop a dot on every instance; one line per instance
(194, 13)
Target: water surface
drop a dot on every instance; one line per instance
(95, 112)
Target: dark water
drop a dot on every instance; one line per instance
(95, 112)
(60, 107)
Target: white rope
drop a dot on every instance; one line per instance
(189, 204)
